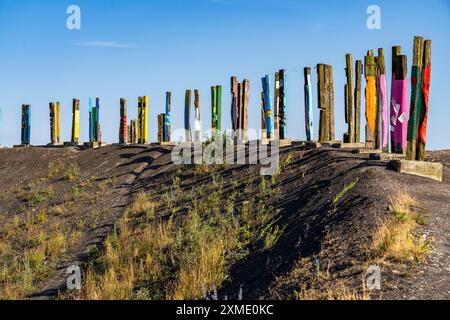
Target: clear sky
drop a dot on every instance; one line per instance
(135, 47)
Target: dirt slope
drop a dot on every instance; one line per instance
(325, 231)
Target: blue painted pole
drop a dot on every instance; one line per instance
(187, 115)
(26, 125)
(267, 104)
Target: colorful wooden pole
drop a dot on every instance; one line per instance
(399, 101)
(383, 101)
(197, 119)
(26, 125)
(423, 118)
(146, 114)
(234, 103)
(358, 86)
(95, 120)
(123, 121)
(75, 121)
(371, 99)
(167, 117)
(58, 122)
(216, 109)
(349, 137)
(142, 122)
(263, 118)
(52, 108)
(267, 105)
(308, 104)
(416, 99)
(91, 137)
(187, 115)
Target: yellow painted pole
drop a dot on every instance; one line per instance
(371, 99)
(58, 122)
(145, 122)
(76, 121)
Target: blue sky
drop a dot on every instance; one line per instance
(135, 47)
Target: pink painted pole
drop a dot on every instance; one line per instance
(399, 102)
(384, 113)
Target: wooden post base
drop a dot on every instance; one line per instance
(170, 144)
(424, 169)
(72, 144)
(339, 145)
(313, 145)
(386, 156)
(94, 145)
(367, 151)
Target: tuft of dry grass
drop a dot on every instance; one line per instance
(72, 172)
(396, 238)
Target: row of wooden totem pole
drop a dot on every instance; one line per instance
(404, 129)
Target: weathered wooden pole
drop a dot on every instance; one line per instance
(187, 115)
(197, 119)
(91, 135)
(358, 86)
(308, 104)
(276, 106)
(99, 133)
(263, 118)
(241, 110)
(167, 126)
(75, 121)
(133, 139)
(371, 99)
(423, 118)
(245, 107)
(331, 108)
(52, 108)
(219, 108)
(139, 124)
(26, 125)
(123, 121)
(416, 99)
(349, 137)
(282, 105)
(383, 101)
(399, 101)
(161, 121)
(323, 103)
(267, 105)
(234, 103)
